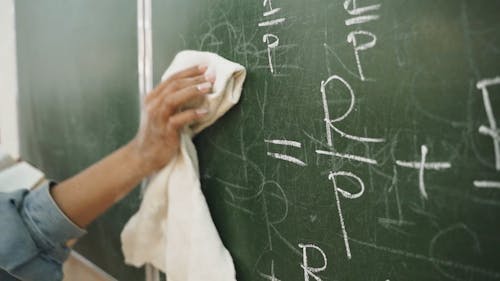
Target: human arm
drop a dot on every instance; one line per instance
(90, 193)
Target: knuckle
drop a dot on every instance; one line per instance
(168, 109)
(173, 124)
(170, 104)
(191, 116)
(175, 85)
(193, 92)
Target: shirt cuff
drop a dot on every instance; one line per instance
(46, 221)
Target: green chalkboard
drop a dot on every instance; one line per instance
(430, 203)
(413, 127)
(78, 100)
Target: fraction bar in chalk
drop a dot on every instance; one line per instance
(272, 22)
(362, 10)
(487, 184)
(361, 19)
(348, 156)
(285, 142)
(429, 166)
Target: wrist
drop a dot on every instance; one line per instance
(138, 163)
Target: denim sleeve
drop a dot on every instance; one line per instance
(34, 232)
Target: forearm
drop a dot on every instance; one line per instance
(91, 192)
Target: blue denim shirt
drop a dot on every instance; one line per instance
(33, 236)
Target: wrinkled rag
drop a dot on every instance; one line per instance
(173, 229)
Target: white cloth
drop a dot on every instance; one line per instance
(173, 229)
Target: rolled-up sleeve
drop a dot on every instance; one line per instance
(34, 232)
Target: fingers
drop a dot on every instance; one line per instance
(190, 72)
(180, 80)
(176, 100)
(186, 117)
(186, 89)
(187, 82)
(182, 83)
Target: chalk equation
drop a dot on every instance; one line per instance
(330, 127)
(421, 165)
(347, 186)
(272, 18)
(359, 16)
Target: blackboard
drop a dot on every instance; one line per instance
(419, 90)
(78, 101)
(428, 210)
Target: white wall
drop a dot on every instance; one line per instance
(9, 136)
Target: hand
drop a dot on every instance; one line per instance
(165, 112)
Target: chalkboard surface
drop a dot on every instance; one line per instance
(78, 101)
(355, 153)
(411, 137)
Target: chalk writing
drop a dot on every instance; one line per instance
(361, 40)
(270, 39)
(310, 271)
(422, 165)
(354, 40)
(487, 184)
(285, 157)
(355, 10)
(360, 17)
(285, 142)
(493, 130)
(347, 195)
(329, 126)
(329, 122)
(348, 156)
